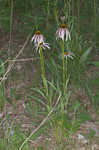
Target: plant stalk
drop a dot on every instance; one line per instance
(43, 71)
(63, 67)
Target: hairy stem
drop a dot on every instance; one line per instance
(43, 71)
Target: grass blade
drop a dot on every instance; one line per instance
(85, 55)
(39, 91)
(96, 63)
(39, 100)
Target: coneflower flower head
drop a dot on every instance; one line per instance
(38, 40)
(42, 45)
(38, 37)
(63, 33)
(68, 54)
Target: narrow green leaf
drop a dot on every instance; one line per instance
(90, 93)
(52, 85)
(51, 92)
(85, 55)
(2, 67)
(39, 100)
(83, 117)
(39, 91)
(2, 97)
(96, 63)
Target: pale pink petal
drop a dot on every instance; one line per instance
(67, 35)
(70, 56)
(33, 38)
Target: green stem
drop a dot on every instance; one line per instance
(63, 67)
(78, 4)
(56, 12)
(72, 7)
(43, 71)
(66, 72)
(66, 84)
(95, 15)
(48, 6)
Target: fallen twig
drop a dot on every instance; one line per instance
(24, 59)
(12, 63)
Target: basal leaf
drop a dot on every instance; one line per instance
(84, 56)
(96, 63)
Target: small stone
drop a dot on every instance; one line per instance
(95, 147)
(82, 139)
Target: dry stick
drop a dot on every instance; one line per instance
(12, 64)
(41, 124)
(24, 59)
(11, 28)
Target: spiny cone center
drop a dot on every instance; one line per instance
(63, 26)
(66, 53)
(38, 32)
(41, 44)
